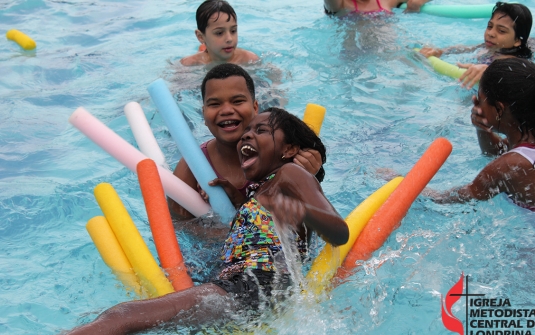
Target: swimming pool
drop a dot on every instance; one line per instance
(384, 107)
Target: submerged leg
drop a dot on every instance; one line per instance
(196, 304)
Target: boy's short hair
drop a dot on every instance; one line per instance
(208, 8)
(225, 70)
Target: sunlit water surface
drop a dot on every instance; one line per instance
(384, 108)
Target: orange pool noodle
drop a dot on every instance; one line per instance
(161, 225)
(388, 217)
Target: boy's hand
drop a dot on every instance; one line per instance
(234, 195)
(472, 75)
(428, 52)
(478, 120)
(309, 159)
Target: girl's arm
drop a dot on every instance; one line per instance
(495, 178)
(296, 196)
(133, 316)
(456, 49)
(413, 5)
(333, 6)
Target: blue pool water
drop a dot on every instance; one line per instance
(384, 107)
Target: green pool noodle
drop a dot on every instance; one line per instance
(443, 67)
(457, 11)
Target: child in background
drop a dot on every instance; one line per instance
(217, 30)
(343, 7)
(506, 36)
(252, 263)
(229, 105)
(504, 105)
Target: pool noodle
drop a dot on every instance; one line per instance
(388, 217)
(443, 67)
(161, 225)
(145, 140)
(129, 156)
(457, 11)
(151, 276)
(190, 150)
(111, 252)
(330, 258)
(23, 40)
(313, 117)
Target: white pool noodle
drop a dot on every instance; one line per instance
(145, 140)
(129, 156)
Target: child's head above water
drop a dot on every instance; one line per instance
(511, 81)
(296, 132)
(217, 29)
(226, 70)
(509, 29)
(211, 7)
(229, 103)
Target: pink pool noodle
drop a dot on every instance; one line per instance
(129, 156)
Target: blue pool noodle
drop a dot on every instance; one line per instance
(190, 150)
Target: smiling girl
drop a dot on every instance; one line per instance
(506, 36)
(285, 198)
(217, 30)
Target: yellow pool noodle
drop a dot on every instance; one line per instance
(330, 258)
(151, 276)
(111, 252)
(314, 115)
(21, 39)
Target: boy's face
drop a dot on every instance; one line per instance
(220, 36)
(228, 108)
(500, 32)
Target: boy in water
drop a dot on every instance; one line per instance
(229, 105)
(217, 30)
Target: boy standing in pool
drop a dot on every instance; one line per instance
(229, 105)
(217, 30)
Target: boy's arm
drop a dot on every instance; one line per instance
(309, 159)
(183, 172)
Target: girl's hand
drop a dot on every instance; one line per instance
(477, 117)
(287, 210)
(234, 195)
(472, 75)
(428, 52)
(309, 159)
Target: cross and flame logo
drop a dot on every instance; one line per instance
(448, 319)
